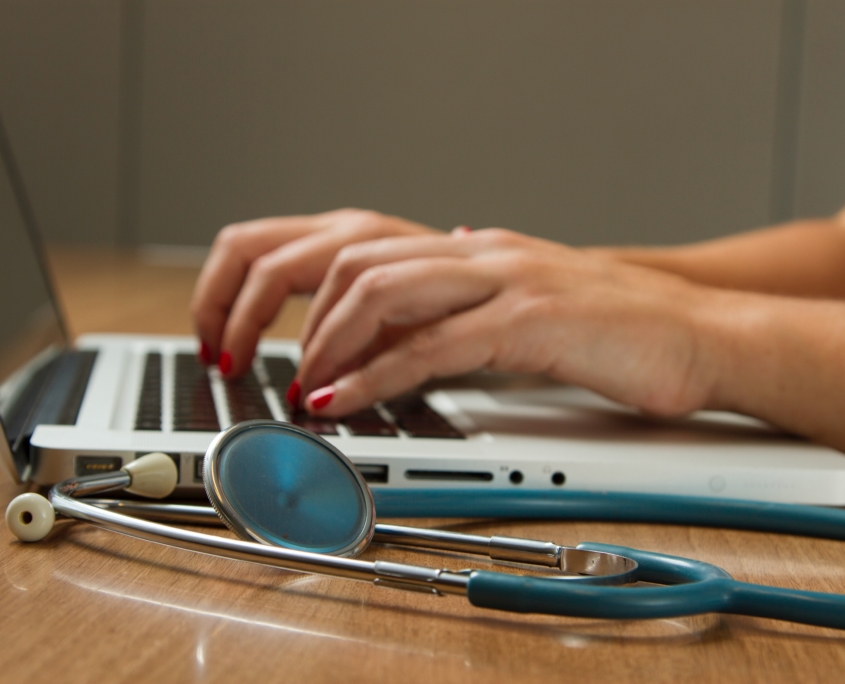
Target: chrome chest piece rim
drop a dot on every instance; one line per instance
(281, 485)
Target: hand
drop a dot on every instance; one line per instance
(396, 312)
(254, 266)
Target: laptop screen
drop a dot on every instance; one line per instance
(31, 331)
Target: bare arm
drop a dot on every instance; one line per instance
(803, 259)
(781, 359)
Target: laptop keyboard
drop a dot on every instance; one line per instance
(194, 408)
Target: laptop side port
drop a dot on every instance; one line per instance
(199, 459)
(449, 475)
(91, 465)
(373, 474)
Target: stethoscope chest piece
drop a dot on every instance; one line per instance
(281, 485)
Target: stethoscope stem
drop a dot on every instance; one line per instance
(615, 568)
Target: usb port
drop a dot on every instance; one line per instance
(373, 474)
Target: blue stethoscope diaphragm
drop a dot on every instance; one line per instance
(279, 484)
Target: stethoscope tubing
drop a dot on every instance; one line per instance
(693, 587)
(712, 590)
(738, 514)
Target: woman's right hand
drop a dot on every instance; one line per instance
(254, 266)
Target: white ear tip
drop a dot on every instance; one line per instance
(30, 517)
(154, 475)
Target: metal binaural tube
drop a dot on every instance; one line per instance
(92, 484)
(608, 567)
(397, 575)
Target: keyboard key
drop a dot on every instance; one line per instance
(320, 426)
(246, 399)
(194, 403)
(368, 423)
(148, 416)
(280, 373)
(417, 419)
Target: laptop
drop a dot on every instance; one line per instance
(94, 405)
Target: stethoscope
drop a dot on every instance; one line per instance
(296, 502)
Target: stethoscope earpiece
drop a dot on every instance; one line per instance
(30, 517)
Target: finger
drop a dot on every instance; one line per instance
(226, 267)
(405, 293)
(353, 260)
(451, 346)
(298, 266)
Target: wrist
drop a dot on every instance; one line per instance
(725, 325)
(778, 359)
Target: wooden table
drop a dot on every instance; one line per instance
(88, 605)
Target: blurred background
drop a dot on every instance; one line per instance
(140, 122)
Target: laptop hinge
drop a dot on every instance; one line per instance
(52, 396)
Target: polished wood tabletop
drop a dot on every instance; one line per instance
(87, 605)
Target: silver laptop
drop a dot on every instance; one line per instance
(91, 407)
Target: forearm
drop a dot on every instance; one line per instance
(803, 259)
(780, 359)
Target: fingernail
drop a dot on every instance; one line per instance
(321, 397)
(461, 230)
(293, 393)
(225, 362)
(205, 353)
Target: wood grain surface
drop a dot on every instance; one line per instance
(88, 605)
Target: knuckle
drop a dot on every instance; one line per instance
(230, 237)
(514, 266)
(536, 307)
(425, 343)
(348, 261)
(364, 223)
(373, 283)
(263, 268)
(345, 212)
(501, 237)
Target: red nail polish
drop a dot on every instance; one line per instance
(321, 397)
(205, 353)
(293, 393)
(225, 362)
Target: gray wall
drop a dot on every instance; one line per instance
(159, 121)
(59, 94)
(820, 171)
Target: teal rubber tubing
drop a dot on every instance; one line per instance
(808, 521)
(697, 588)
